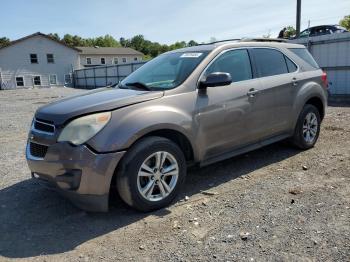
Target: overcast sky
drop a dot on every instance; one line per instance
(165, 21)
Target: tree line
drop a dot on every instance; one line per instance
(148, 48)
(138, 42)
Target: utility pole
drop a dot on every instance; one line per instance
(298, 17)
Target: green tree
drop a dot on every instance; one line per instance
(78, 41)
(164, 48)
(290, 31)
(192, 43)
(109, 41)
(345, 22)
(55, 36)
(155, 49)
(98, 41)
(137, 42)
(123, 41)
(178, 45)
(68, 40)
(4, 41)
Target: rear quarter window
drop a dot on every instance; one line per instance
(305, 55)
(290, 64)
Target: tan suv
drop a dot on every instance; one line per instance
(196, 105)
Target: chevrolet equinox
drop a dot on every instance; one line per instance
(196, 105)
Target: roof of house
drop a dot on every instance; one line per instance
(108, 51)
(39, 34)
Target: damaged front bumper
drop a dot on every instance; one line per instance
(77, 172)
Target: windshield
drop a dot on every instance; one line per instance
(166, 71)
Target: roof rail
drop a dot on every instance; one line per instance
(247, 39)
(220, 41)
(277, 40)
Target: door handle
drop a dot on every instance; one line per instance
(252, 92)
(294, 82)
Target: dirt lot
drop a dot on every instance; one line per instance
(260, 206)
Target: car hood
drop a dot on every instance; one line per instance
(98, 100)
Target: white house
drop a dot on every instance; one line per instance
(37, 60)
(94, 56)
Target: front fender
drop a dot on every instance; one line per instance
(131, 123)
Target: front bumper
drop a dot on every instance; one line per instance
(77, 172)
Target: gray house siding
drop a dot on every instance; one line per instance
(15, 62)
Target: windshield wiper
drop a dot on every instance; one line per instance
(112, 85)
(139, 85)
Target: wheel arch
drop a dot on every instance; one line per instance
(174, 135)
(318, 103)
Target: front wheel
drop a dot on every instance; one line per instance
(151, 174)
(308, 127)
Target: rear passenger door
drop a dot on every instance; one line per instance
(273, 103)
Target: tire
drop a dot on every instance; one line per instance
(300, 138)
(133, 181)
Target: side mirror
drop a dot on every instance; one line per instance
(215, 79)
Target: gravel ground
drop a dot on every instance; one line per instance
(273, 204)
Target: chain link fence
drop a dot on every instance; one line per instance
(100, 76)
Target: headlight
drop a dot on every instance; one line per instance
(82, 129)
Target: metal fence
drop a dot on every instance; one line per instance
(100, 76)
(332, 53)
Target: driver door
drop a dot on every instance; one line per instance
(224, 111)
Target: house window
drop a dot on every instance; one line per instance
(124, 60)
(37, 80)
(19, 81)
(50, 59)
(34, 58)
(103, 61)
(88, 60)
(115, 60)
(135, 58)
(53, 79)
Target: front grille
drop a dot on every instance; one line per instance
(37, 150)
(43, 126)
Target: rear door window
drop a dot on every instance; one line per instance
(234, 62)
(305, 55)
(313, 31)
(269, 62)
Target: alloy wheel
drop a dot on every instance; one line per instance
(157, 176)
(310, 127)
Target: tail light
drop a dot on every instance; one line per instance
(324, 79)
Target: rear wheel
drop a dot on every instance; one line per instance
(151, 174)
(308, 127)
